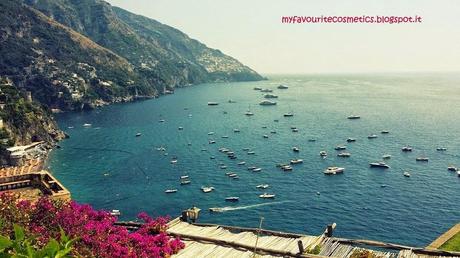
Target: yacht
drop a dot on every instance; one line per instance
(266, 90)
(340, 147)
(351, 140)
(406, 174)
(267, 196)
(241, 163)
(353, 117)
(386, 156)
(296, 161)
(213, 103)
(334, 170)
(232, 199)
(270, 96)
(421, 159)
(267, 103)
(257, 170)
(283, 87)
(379, 165)
(138, 134)
(406, 149)
(452, 168)
(441, 149)
(265, 186)
(344, 154)
(236, 130)
(323, 153)
(87, 125)
(295, 149)
(372, 136)
(115, 213)
(170, 191)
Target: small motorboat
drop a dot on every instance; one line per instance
(379, 165)
(225, 136)
(265, 136)
(351, 140)
(425, 159)
(386, 156)
(212, 157)
(168, 191)
(334, 170)
(406, 174)
(458, 173)
(312, 140)
(207, 189)
(231, 101)
(276, 120)
(353, 117)
(283, 87)
(266, 90)
(441, 149)
(257, 88)
(211, 142)
(257, 170)
(295, 130)
(452, 168)
(70, 127)
(267, 196)
(372, 136)
(138, 134)
(210, 133)
(340, 147)
(273, 132)
(344, 154)
(251, 168)
(174, 161)
(245, 149)
(216, 209)
(115, 213)
(180, 128)
(236, 130)
(232, 175)
(267, 103)
(295, 149)
(323, 153)
(406, 149)
(185, 182)
(232, 199)
(184, 177)
(289, 114)
(223, 167)
(161, 121)
(286, 168)
(241, 163)
(249, 113)
(296, 161)
(213, 103)
(385, 132)
(251, 153)
(87, 125)
(270, 96)
(264, 186)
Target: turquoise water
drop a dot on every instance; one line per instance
(419, 110)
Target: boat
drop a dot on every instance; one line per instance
(270, 96)
(266, 90)
(236, 130)
(257, 170)
(385, 132)
(232, 199)
(207, 189)
(161, 148)
(184, 177)
(115, 213)
(257, 88)
(224, 136)
(265, 136)
(295, 130)
(251, 168)
(180, 128)
(264, 186)
(380, 164)
(211, 133)
(386, 156)
(87, 125)
(452, 168)
(334, 170)
(276, 120)
(249, 113)
(421, 159)
(295, 149)
(216, 209)
(351, 140)
(232, 175)
(406, 149)
(283, 87)
(204, 149)
(286, 168)
(353, 117)
(211, 142)
(312, 140)
(161, 121)
(223, 167)
(246, 149)
(267, 196)
(251, 153)
(406, 174)
(231, 101)
(273, 132)
(296, 161)
(70, 127)
(168, 191)
(212, 157)
(441, 149)
(289, 114)
(138, 134)
(458, 173)
(344, 154)
(340, 147)
(267, 103)
(213, 103)
(174, 161)
(323, 153)
(185, 182)
(241, 163)
(372, 136)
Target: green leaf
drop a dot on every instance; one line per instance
(18, 233)
(52, 247)
(5, 242)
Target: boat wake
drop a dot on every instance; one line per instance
(228, 208)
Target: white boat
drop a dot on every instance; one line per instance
(379, 164)
(185, 182)
(267, 103)
(385, 132)
(323, 153)
(249, 113)
(289, 114)
(406, 174)
(236, 130)
(264, 186)
(386, 156)
(251, 168)
(180, 128)
(212, 157)
(334, 170)
(246, 149)
(452, 168)
(87, 125)
(161, 121)
(267, 196)
(216, 209)
(241, 163)
(232, 174)
(351, 140)
(406, 149)
(257, 170)
(296, 161)
(283, 87)
(251, 153)
(168, 191)
(138, 134)
(340, 147)
(295, 149)
(270, 96)
(211, 142)
(184, 177)
(421, 159)
(372, 136)
(232, 199)
(441, 149)
(115, 213)
(70, 127)
(211, 103)
(223, 167)
(458, 173)
(225, 136)
(295, 130)
(353, 117)
(174, 161)
(286, 168)
(207, 189)
(265, 136)
(344, 154)
(211, 133)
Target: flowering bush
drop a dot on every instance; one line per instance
(94, 231)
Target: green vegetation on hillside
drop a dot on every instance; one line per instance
(452, 244)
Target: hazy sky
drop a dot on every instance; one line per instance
(252, 32)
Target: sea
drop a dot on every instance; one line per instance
(108, 166)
